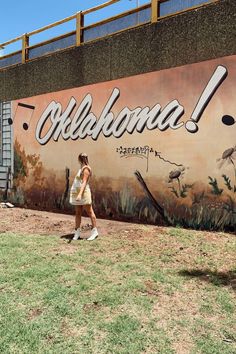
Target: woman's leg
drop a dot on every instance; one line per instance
(78, 214)
(91, 215)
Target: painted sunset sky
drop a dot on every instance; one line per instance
(198, 152)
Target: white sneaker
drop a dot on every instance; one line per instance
(94, 234)
(76, 234)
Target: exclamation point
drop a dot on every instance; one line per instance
(216, 80)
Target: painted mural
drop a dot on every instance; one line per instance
(162, 146)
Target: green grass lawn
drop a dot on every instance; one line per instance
(169, 292)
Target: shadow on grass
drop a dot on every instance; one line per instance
(216, 278)
(69, 237)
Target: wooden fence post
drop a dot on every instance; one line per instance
(79, 29)
(155, 10)
(67, 186)
(25, 50)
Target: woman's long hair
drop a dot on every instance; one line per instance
(83, 158)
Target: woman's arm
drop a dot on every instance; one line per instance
(86, 174)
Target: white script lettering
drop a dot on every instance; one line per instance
(84, 123)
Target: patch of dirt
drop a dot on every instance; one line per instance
(92, 306)
(34, 313)
(28, 221)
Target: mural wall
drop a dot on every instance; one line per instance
(162, 146)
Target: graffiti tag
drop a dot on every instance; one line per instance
(140, 152)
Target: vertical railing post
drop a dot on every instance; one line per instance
(1, 51)
(25, 50)
(79, 28)
(155, 10)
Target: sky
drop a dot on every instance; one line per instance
(23, 16)
(19, 17)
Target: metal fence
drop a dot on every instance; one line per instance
(153, 11)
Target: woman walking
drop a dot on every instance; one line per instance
(80, 196)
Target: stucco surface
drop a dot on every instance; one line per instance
(206, 33)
